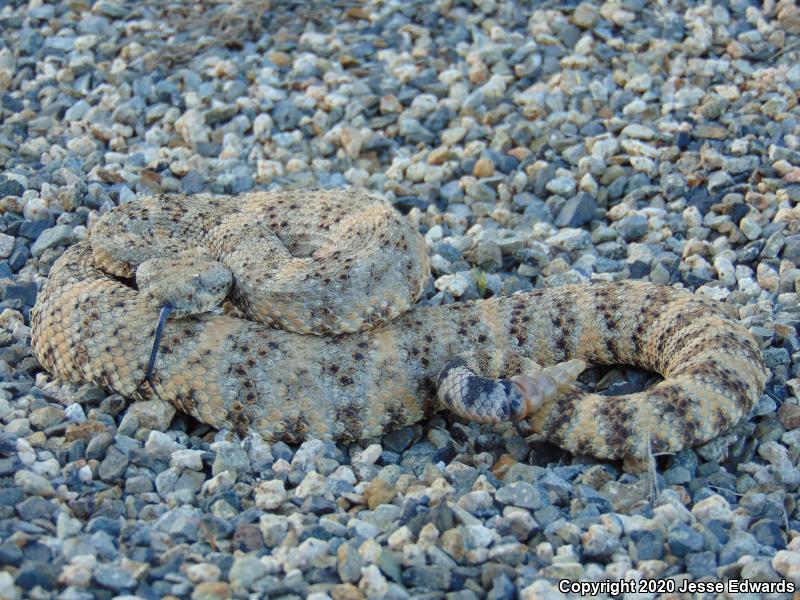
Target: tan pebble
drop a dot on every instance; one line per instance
(210, 590)
(37, 439)
(280, 59)
(452, 542)
(428, 536)
(346, 591)
(787, 563)
(390, 104)
(585, 15)
(47, 416)
(651, 568)
(502, 465)
(479, 73)
(520, 153)
(483, 168)
(358, 12)
(439, 156)
(711, 132)
(84, 431)
(352, 141)
(792, 175)
(379, 492)
(789, 18)
(789, 415)
(400, 537)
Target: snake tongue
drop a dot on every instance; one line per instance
(162, 320)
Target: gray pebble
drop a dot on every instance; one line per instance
(522, 494)
(578, 211)
(633, 227)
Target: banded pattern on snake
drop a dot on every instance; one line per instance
(298, 260)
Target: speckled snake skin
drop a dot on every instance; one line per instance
(91, 324)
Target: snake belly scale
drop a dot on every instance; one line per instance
(355, 358)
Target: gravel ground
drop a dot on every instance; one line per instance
(533, 147)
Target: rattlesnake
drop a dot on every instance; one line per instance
(349, 266)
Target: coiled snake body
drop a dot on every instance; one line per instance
(348, 266)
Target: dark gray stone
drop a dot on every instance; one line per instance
(504, 163)
(242, 184)
(318, 505)
(33, 229)
(9, 466)
(617, 187)
(638, 270)
(114, 578)
(183, 523)
(649, 543)
(35, 507)
(452, 192)
(589, 496)
(19, 256)
(230, 457)
(683, 539)
(32, 574)
(791, 249)
(701, 564)
(10, 554)
(286, 115)
(209, 149)
(398, 440)
(11, 103)
(439, 119)
(60, 235)
(25, 292)
(220, 113)
(523, 495)
(405, 203)
(413, 131)
(426, 577)
(98, 444)
(677, 475)
(768, 533)
(633, 227)
(113, 465)
(577, 211)
(111, 526)
(776, 356)
(192, 183)
(739, 544)
(10, 187)
(502, 588)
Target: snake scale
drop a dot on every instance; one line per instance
(339, 272)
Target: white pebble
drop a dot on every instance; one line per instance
(6, 245)
(187, 459)
(455, 284)
(269, 495)
(74, 413)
